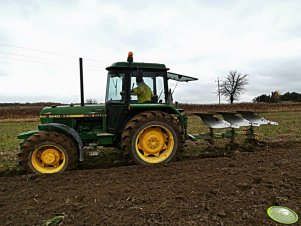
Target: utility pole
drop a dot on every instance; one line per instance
(219, 91)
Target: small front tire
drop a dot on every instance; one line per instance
(48, 152)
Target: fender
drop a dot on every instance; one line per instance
(66, 130)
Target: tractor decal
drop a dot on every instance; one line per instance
(73, 116)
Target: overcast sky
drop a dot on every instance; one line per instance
(41, 41)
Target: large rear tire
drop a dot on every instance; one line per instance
(152, 137)
(48, 152)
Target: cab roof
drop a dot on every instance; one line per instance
(138, 65)
(151, 66)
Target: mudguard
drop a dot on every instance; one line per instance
(66, 130)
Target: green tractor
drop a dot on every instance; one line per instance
(148, 133)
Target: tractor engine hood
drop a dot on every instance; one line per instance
(73, 111)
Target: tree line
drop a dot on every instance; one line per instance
(276, 97)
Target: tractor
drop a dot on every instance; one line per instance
(147, 133)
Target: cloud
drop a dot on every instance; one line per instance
(276, 74)
(205, 39)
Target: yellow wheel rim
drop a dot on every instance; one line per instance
(154, 144)
(48, 159)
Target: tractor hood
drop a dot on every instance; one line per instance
(73, 111)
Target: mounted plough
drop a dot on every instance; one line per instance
(231, 121)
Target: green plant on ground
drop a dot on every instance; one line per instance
(9, 144)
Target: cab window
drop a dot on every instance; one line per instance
(115, 87)
(154, 80)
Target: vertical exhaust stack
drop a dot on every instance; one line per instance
(81, 74)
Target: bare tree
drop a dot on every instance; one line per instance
(233, 86)
(91, 101)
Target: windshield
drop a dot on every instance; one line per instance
(114, 87)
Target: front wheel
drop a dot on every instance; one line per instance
(48, 152)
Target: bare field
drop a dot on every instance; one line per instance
(16, 111)
(227, 190)
(256, 107)
(207, 185)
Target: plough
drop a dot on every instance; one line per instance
(231, 121)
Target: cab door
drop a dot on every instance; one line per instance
(116, 104)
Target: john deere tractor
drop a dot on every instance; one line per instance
(148, 133)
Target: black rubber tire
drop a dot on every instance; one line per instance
(65, 143)
(143, 120)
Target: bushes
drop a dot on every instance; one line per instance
(276, 97)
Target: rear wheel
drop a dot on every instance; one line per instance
(152, 137)
(48, 152)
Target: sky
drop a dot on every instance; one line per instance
(41, 41)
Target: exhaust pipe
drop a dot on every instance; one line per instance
(82, 102)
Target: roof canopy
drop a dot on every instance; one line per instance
(180, 78)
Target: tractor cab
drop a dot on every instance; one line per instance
(122, 77)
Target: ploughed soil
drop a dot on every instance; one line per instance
(233, 190)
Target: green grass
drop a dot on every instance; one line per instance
(288, 130)
(9, 144)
